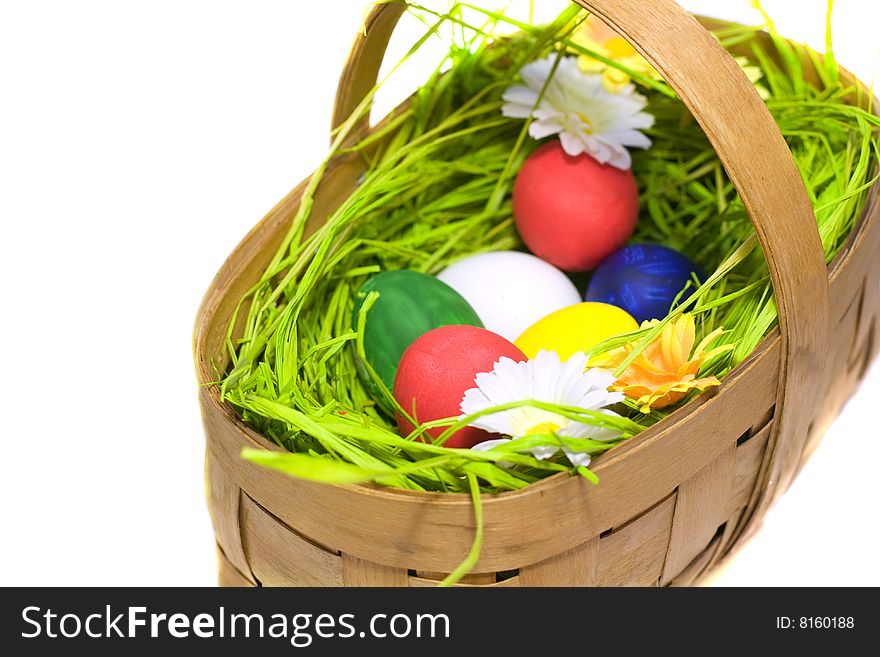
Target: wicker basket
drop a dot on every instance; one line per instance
(675, 499)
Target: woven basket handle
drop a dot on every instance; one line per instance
(757, 160)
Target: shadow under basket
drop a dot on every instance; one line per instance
(674, 500)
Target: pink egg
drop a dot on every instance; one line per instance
(436, 370)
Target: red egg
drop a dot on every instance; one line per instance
(573, 211)
(436, 370)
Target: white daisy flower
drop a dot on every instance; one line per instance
(546, 379)
(577, 107)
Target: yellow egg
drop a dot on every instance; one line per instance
(575, 328)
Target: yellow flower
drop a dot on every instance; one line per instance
(596, 36)
(667, 368)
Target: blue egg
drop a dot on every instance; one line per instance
(642, 279)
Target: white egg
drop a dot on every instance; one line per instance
(510, 290)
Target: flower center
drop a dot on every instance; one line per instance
(543, 429)
(588, 125)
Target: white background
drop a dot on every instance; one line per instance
(139, 141)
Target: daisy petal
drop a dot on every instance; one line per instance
(520, 95)
(544, 128)
(572, 143)
(543, 452)
(486, 445)
(577, 459)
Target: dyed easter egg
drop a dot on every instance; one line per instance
(576, 328)
(409, 305)
(510, 290)
(436, 370)
(573, 211)
(643, 279)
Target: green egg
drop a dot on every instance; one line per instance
(409, 305)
